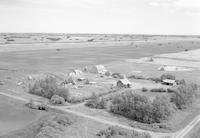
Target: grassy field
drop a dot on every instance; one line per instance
(195, 133)
(52, 60)
(14, 115)
(17, 64)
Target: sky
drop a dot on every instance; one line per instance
(177, 17)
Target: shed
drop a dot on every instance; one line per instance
(100, 69)
(169, 82)
(124, 83)
(75, 72)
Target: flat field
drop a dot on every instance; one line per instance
(40, 55)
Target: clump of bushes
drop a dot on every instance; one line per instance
(140, 77)
(118, 75)
(158, 90)
(162, 108)
(48, 87)
(181, 82)
(167, 76)
(39, 106)
(144, 89)
(53, 127)
(55, 99)
(98, 103)
(91, 40)
(171, 90)
(141, 109)
(115, 132)
(157, 80)
(161, 78)
(184, 95)
(53, 39)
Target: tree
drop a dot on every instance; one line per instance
(184, 96)
(162, 108)
(167, 76)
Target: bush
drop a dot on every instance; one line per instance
(184, 96)
(115, 132)
(144, 89)
(53, 127)
(171, 90)
(157, 80)
(167, 76)
(118, 75)
(47, 88)
(140, 108)
(98, 103)
(133, 106)
(39, 106)
(107, 73)
(53, 39)
(42, 107)
(137, 77)
(158, 90)
(181, 82)
(55, 99)
(162, 108)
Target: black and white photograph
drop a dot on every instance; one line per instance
(99, 68)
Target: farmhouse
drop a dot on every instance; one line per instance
(169, 82)
(124, 83)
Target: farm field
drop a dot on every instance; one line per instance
(14, 115)
(31, 63)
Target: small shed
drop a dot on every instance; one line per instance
(124, 83)
(100, 69)
(169, 82)
(75, 72)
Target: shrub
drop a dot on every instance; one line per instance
(171, 90)
(63, 92)
(181, 82)
(91, 40)
(162, 108)
(39, 106)
(140, 108)
(144, 89)
(167, 76)
(47, 88)
(55, 99)
(98, 103)
(31, 104)
(107, 73)
(133, 106)
(157, 80)
(42, 107)
(158, 90)
(53, 39)
(184, 96)
(53, 127)
(118, 75)
(115, 132)
(137, 77)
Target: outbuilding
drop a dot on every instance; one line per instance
(169, 82)
(100, 69)
(124, 83)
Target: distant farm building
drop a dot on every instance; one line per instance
(124, 83)
(75, 72)
(169, 82)
(100, 69)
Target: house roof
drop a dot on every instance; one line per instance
(125, 81)
(169, 81)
